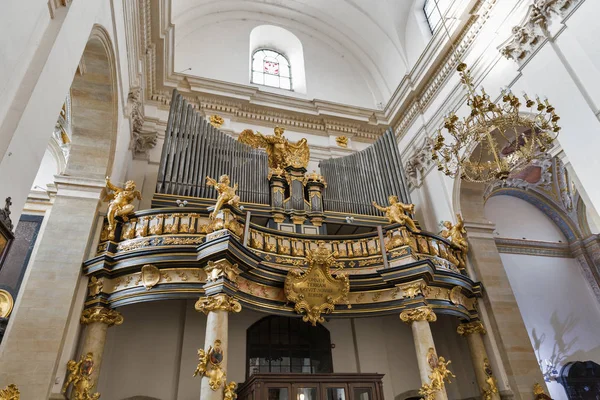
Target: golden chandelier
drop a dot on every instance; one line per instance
(495, 140)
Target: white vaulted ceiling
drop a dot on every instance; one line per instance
(368, 34)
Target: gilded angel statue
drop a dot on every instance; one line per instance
(226, 194)
(396, 212)
(456, 233)
(119, 203)
(79, 377)
(281, 152)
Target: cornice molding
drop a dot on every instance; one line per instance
(249, 103)
(533, 247)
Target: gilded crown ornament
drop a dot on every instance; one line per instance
(424, 313)
(11, 392)
(101, 314)
(494, 140)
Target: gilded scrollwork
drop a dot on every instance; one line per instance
(396, 211)
(412, 290)
(105, 315)
(229, 391)
(219, 302)
(492, 385)
(222, 268)
(11, 392)
(439, 375)
(209, 365)
(79, 378)
(424, 313)
(216, 120)
(469, 328)
(315, 292)
(95, 286)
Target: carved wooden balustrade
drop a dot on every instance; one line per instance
(159, 227)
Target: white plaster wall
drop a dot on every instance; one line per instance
(48, 168)
(561, 315)
(222, 51)
(558, 307)
(516, 218)
(154, 352)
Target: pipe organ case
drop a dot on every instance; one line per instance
(194, 149)
(374, 173)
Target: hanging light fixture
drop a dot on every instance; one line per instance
(494, 140)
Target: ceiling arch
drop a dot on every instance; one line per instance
(365, 31)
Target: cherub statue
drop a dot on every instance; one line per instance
(79, 377)
(119, 203)
(456, 233)
(441, 373)
(281, 152)
(396, 212)
(229, 391)
(226, 194)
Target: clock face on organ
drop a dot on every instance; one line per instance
(271, 67)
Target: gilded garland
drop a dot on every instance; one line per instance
(316, 291)
(101, 314)
(424, 313)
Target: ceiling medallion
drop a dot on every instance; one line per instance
(495, 140)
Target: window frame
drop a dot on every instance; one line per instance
(278, 54)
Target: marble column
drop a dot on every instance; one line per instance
(217, 309)
(38, 325)
(97, 321)
(473, 332)
(419, 319)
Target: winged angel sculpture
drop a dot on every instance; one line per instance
(281, 152)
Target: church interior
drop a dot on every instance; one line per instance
(300, 200)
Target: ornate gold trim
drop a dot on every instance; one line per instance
(11, 392)
(6, 303)
(79, 377)
(492, 385)
(222, 268)
(424, 313)
(219, 302)
(209, 365)
(439, 374)
(469, 328)
(105, 315)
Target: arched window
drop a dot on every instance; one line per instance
(432, 9)
(271, 68)
(283, 345)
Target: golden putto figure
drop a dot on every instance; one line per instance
(439, 374)
(282, 153)
(79, 377)
(119, 203)
(226, 194)
(456, 233)
(396, 212)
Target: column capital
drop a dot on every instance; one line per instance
(219, 302)
(424, 313)
(105, 315)
(468, 328)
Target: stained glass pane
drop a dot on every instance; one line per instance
(271, 66)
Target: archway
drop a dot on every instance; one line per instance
(56, 266)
